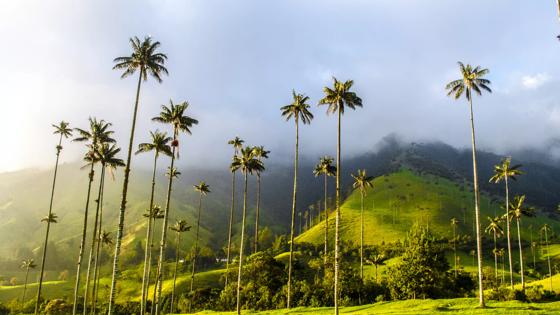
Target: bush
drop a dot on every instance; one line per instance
(58, 306)
(127, 308)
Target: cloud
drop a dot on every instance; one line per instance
(534, 81)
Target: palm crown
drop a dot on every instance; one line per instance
(236, 142)
(28, 264)
(180, 226)
(107, 155)
(472, 80)
(173, 172)
(517, 209)
(159, 144)
(62, 129)
(202, 188)
(98, 133)
(325, 167)
(51, 218)
(144, 58)
(362, 181)
(106, 238)
(298, 109)
(454, 221)
(494, 226)
(247, 162)
(339, 96)
(504, 169)
(175, 116)
(155, 213)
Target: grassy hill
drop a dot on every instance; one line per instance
(403, 198)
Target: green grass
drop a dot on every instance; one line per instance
(421, 307)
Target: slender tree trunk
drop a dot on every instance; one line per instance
(454, 251)
(230, 222)
(326, 251)
(122, 210)
(508, 232)
(152, 307)
(520, 255)
(337, 219)
(503, 269)
(548, 258)
(58, 149)
(376, 274)
(257, 212)
(93, 240)
(292, 223)
(241, 246)
(159, 277)
(146, 274)
(477, 212)
(362, 238)
(196, 242)
(99, 245)
(495, 258)
(82, 243)
(178, 239)
(24, 287)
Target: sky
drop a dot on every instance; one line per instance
(237, 62)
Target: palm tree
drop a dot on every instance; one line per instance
(502, 253)
(298, 109)
(156, 214)
(546, 228)
(472, 80)
(517, 210)
(338, 98)
(203, 189)
(180, 226)
(26, 264)
(147, 61)
(106, 155)
(50, 218)
(505, 171)
(376, 261)
(260, 153)
(454, 223)
(97, 134)
(247, 163)
(495, 229)
(159, 144)
(237, 144)
(325, 168)
(62, 130)
(173, 115)
(362, 182)
(104, 240)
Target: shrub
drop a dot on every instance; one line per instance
(58, 306)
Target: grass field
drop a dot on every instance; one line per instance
(425, 307)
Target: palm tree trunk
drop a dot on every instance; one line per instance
(337, 219)
(178, 239)
(82, 243)
(99, 245)
(196, 242)
(58, 149)
(241, 246)
(326, 225)
(477, 211)
(520, 255)
(508, 232)
(159, 280)
(495, 258)
(146, 274)
(93, 240)
(123, 201)
(152, 307)
(24, 287)
(548, 258)
(454, 251)
(257, 212)
(362, 238)
(292, 224)
(230, 222)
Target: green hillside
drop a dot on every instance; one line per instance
(403, 198)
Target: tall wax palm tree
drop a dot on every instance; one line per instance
(325, 168)
(237, 144)
(106, 154)
(472, 80)
(504, 171)
(495, 229)
(174, 115)
(50, 218)
(376, 261)
(546, 228)
(26, 264)
(298, 110)
(362, 182)
(260, 153)
(180, 226)
(517, 210)
(338, 98)
(159, 144)
(63, 131)
(247, 163)
(97, 134)
(147, 61)
(454, 223)
(156, 214)
(203, 189)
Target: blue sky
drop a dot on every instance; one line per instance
(236, 62)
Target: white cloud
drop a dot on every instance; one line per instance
(534, 81)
